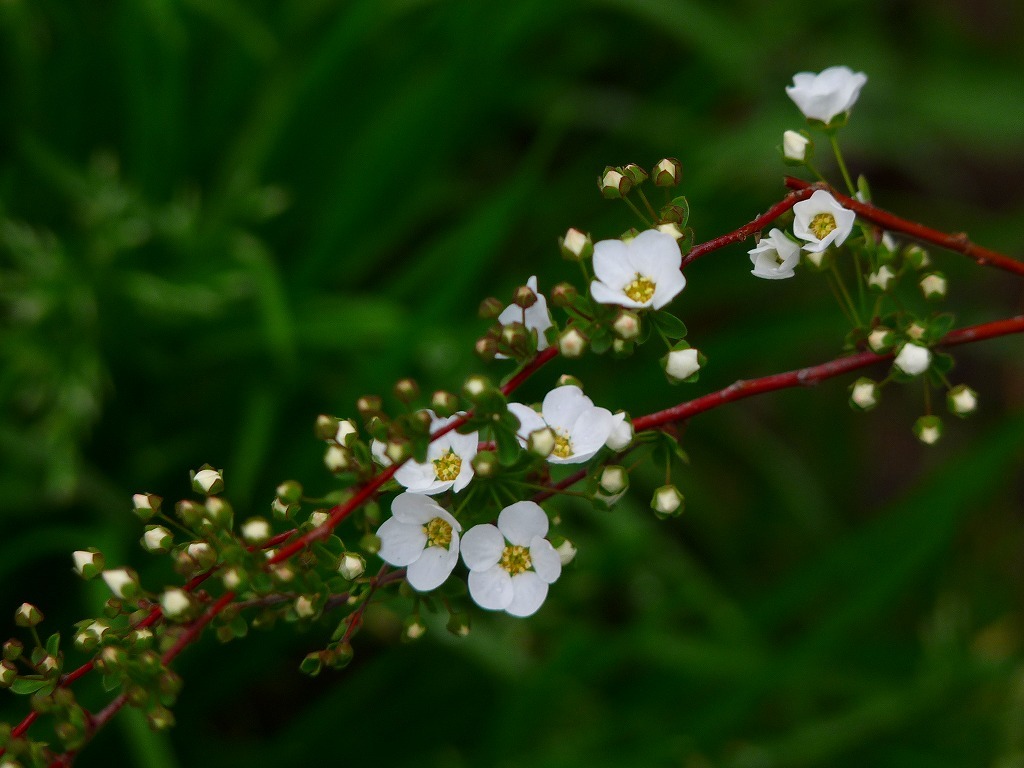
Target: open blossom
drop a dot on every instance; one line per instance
(535, 318)
(448, 465)
(641, 273)
(421, 537)
(581, 428)
(822, 221)
(829, 93)
(511, 564)
(775, 256)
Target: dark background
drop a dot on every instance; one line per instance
(220, 218)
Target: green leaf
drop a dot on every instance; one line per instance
(669, 325)
(508, 447)
(53, 644)
(26, 685)
(686, 241)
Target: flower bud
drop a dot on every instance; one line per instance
(339, 656)
(514, 336)
(524, 297)
(634, 173)
(191, 514)
(490, 308)
(476, 387)
(962, 400)
(207, 480)
(913, 359)
(256, 531)
(28, 615)
(670, 228)
(614, 479)
(887, 248)
(156, 539)
(233, 579)
(928, 429)
(203, 555)
(290, 492)
(916, 256)
(863, 394)
(566, 552)
(626, 325)
(146, 505)
(13, 650)
(369, 405)
(88, 563)
(681, 364)
(796, 147)
(8, 674)
(458, 624)
(413, 628)
(881, 339)
(613, 184)
(160, 718)
(486, 348)
(622, 432)
(933, 286)
(444, 403)
(325, 427)
(572, 343)
(564, 294)
(346, 434)
(397, 449)
(304, 607)
(175, 603)
(406, 390)
(47, 665)
(485, 464)
(881, 278)
(318, 518)
(282, 511)
(575, 245)
(219, 513)
(819, 260)
(667, 502)
(352, 566)
(541, 442)
(336, 459)
(122, 582)
(667, 172)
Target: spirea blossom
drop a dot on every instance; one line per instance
(641, 273)
(535, 318)
(913, 359)
(821, 221)
(422, 537)
(831, 92)
(775, 256)
(449, 463)
(511, 564)
(581, 428)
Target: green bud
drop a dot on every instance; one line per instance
(613, 183)
(28, 615)
(575, 245)
(458, 624)
(13, 649)
(290, 492)
(444, 403)
(564, 294)
(490, 308)
(369, 405)
(485, 464)
(325, 427)
(406, 390)
(667, 172)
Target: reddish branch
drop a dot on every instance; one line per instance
(958, 242)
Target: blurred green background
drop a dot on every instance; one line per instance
(219, 218)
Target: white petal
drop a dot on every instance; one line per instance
(417, 477)
(400, 543)
(655, 254)
(529, 420)
(415, 508)
(605, 295)
(491, 589)
(431, 569)
(589, 434)
(546, 560)
(611, 264)
(563, 405)
(667, 287)
(482, 547)
(522, 521)
(528, 593)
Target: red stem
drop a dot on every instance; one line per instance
(958, 242)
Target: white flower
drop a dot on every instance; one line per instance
(774, 257)
(351, 565)
(449, 463)
(794, 146)
(581, 428)
(120, 581)
(821, 221)
(933, 286)
(913, 359)
(864, 394)
(511, 564)
(622, 432)
(827, 94)
(157, 539)
(641, 273)
(421, 537)
(881, 278)
(535, 318)
(566, 552)
(681, 363)
(962, 400)
(174, 602)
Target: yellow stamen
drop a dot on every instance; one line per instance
(640, 290)
(822, 224)
(515, 559)
(448, 466)
(439, 533)
(563, 448)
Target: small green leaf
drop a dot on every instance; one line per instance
(508, 447)
(686, 241)
(26, 685)
(669, 325)
(53, 644)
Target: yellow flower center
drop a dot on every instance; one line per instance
(439, 533)
(640, 290)
(447, 467)
(515, 559)
(822, 224)
(563, 448)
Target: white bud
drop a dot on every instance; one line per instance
(913, 359)
(671, 228)
(318, 518)
(577, 244)
(916, 331)
(626, 325)
(352, 565)
(622, 432)
(614, 479)
(794, 146)
(541, 442)
(157, 539)
(928, 429)
(255, 530)
(345, 429)
(816, 257)
(174, 602)
(933, 286)
(864, 394)
(141, 502)
(962, 400)
(208, 481)
(681, 364)
(415, 629)
(881, 278)
(476, 386)
(304, 607)
(566, 552)
(667, 500)
(880, 339)
(86, 561)
(337, 458)
(231, 579)
(572, 343)
(120, 581)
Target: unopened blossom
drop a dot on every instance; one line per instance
(913, 359)
(962, 400)
(681, 364)
(794, 146)
(351, 565)
(641, 273)
(511, 564)
(571, 343)
(87, 563)
(621, 434)
(821, 221)
(881, 278)
(933, 286)
(928, 429)
(157, 539)
(535, 318)
(775, 256)
(581, 428)
(880, 339)
(449, 464)
(120, 581)
(422, 537)
(667, 500)
(566, 552)
(864, 394)
(827, 94)
(174, 602)
(208, 481)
